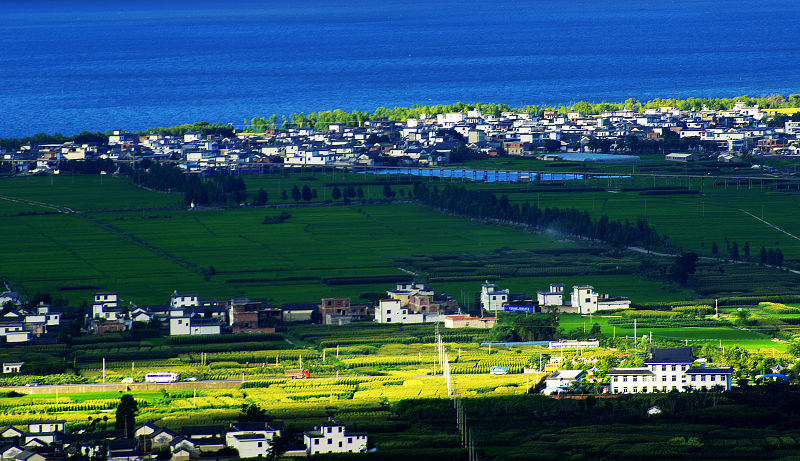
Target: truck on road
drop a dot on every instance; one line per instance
(297, 373)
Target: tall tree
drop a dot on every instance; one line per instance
(126, 415)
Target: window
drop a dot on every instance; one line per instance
(340, 444)
(702, 377)
(316, 441)
(330, 441)
(388, 320)
(633, 379)
(349, 440)
(674, 378)
(624, 390)
(588, 300)
(340, 429)
(663, 378)
(260, 444)
(673, 367)
(663, 368)
(624, 379)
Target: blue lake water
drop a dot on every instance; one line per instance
(69, 66)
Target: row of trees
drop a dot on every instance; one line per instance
(482, 204)
(222, 189)
(321, 120)
(772, 256)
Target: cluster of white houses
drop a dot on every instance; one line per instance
(584, 300)
(48, 440)
(20, 325)
(429, 140)
(188, 314)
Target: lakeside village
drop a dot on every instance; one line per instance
(722, 135)
(664, 370)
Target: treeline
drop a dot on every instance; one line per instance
(89, 166)
(203, 128)
(222, 189)
(321, 120)
(771, 256)
(485, 205)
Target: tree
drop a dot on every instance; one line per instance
(714, 249)
(763, 255)
(261, 197)
(126, 414)
(296, 193)
(551, 145)
(252, 412)
(746, 249)
(337, 193)
(387, 191)
(683, 266)
(734, 251)
(284, 196)
(306, 193)
(360, 192)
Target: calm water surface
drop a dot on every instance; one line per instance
(133, 65)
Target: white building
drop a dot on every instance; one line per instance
(12, 367)
(554, 297)
(249, 444)
(179, 326)
(102, 301)
(561, 380)
(666, 370)
(586, 301)
(177, 301)
(334, 438)
(493, 298)
(392, 311)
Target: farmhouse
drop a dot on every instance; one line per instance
(553, 297)
(466, 321)
(493, 298)
(562, 380)
(334, 438)
(194, 326)
(12, 367)
(669, 369)
(392, 311)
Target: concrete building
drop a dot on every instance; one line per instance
(334, 438)
(179, 326)
(554, 297)
(466, 321)
(666, 370)
(493, 298)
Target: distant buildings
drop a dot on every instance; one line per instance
(584, 300)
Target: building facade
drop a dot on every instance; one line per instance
(666, 370)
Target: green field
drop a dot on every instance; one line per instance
(145, 254)
(145, 244)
